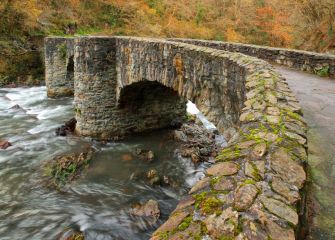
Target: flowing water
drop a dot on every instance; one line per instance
(98, 203)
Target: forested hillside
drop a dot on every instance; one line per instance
(302, 24)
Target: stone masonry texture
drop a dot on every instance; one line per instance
(59, 66)
(254, 190)
(312, 62)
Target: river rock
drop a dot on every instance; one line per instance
(150, 209)
(4, 144)
(65, 168)
(16, 106)
(145, 155)
(67, 128)
(153, 177)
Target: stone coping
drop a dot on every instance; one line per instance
(317, 63)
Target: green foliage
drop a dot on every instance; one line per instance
(200, 14)
(323, 72)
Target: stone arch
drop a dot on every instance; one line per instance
(105, 67)
(149, 105)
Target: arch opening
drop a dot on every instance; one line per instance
(149, 105)
(70, 70)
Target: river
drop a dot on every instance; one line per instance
(98, 203)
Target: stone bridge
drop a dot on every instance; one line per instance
(255, 190)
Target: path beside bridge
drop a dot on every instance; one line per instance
(317, 98)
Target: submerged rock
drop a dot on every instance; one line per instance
(4, 144)
(149, 210)
(145, 155)
(68, 127)
(65, 168)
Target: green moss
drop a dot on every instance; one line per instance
(249, 181)
(164, 235)
(215, 180)
(226, 238)
(185, 224)
(229, 154)
(211, 205)
(66, 168)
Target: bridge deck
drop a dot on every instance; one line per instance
(317, 98)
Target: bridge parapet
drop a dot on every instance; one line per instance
(316, 63)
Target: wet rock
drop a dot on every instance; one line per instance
(245, 196)
(280, 209)
(149, 210)
(126, 157)
(145, 155)
(153, 177)
(65, 168)
(4, 144)
(222, 225)
(67, 128)
(16, 106)
(223, 169)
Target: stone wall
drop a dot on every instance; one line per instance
(255, 188)
(59, 66)
(105, 67)
(321, 64)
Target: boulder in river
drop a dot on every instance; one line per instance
(65, 168)
(67, 128)
(146, 155)
(149, 210)
(153, 177)
(4, 144)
